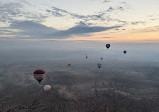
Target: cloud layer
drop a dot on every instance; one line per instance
(36, 30)
(32, 19)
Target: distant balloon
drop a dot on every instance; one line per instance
(47, 88)
(39, 75)
(69, 65)
(124, 52)
(107, 46)
(86, 56)
(101, 58)
(99, 65)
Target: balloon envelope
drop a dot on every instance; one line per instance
(99, 65)
(47, 88)
(107, 46)
(124, 52)
(39, 75)
(101, 58)
(86, 56)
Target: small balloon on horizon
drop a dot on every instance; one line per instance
(107, 46)
(124, 51)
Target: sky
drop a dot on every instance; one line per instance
(127, 21)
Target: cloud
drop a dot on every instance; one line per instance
(105, 1)
(9, 11)
(123, 22)
(4, 30)
(12, 11)
(137, 22)
(102, 15)
(82, 29)
(36, 30)
(27, 23)
(32, 29)
(150, 29)
(62, 13)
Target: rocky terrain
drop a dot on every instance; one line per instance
(80, 88)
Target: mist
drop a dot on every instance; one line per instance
(130, 76)
(75, 51)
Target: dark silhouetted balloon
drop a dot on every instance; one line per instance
(69, 65)
(86, 56)
(124, 52)
(101, 58)
(99, 65)
(39, 75)
(107, 46)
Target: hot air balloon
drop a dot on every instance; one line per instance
(47, 88)
(124, 52)
(86, 56)
(99, 65)
(69, 65)
(101, 58)
(107, 46)
(39, 75)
